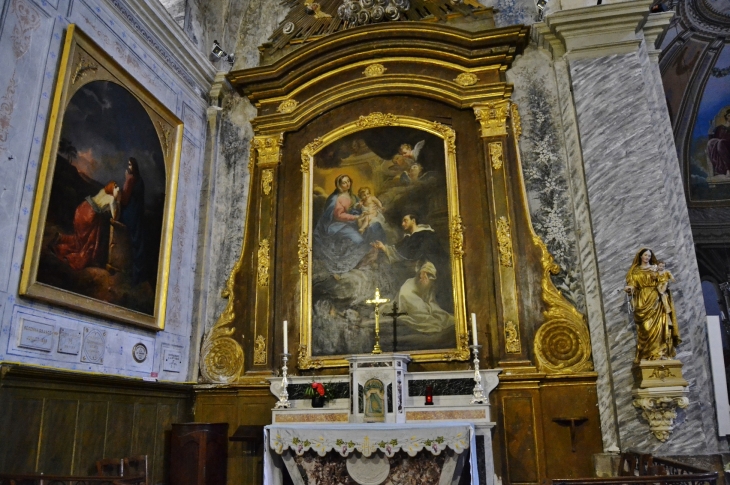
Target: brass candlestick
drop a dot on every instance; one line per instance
(377, 301)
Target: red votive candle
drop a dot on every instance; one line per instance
(429, 396)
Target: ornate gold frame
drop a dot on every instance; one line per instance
(83, 61)
(373, 120)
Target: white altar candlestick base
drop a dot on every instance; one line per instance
(284, 394)
(478, 396)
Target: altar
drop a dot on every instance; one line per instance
(442, 441)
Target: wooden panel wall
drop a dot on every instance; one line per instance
(59, 422)
(245, 405)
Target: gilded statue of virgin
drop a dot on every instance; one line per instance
(653, 308)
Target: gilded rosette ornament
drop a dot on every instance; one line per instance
(267, 179)
(374, 70)
(504, 242)
(495, 155)
(376, 119)
(287, 106)
(259, 351)
(268, 149)
(264, 262)
(222, 356)
(493, 117)
(466, 79)
(562, 343)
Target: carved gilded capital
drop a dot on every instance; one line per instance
(268, 149)
(493, 117)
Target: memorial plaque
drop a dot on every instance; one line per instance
(94, 346)
(69, 341)
(139, 352)
(36, 335)
(171, 360)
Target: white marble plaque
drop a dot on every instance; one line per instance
(94, 346)
(36, 335)
(172, 360)
(69, 341)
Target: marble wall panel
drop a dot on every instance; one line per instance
(31, 35)
(634, 193)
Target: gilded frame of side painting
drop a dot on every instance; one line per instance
(324, 285)
(101, 227)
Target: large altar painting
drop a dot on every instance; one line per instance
(380, 218)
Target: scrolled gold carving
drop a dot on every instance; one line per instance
(303, 253)
(516, 121)
(251, 158)
(268, 149)
(308, 152)
(462, 351)
(264, 262)
(376, 119)
(457, 237)
(165, 133)
(493, 117)
(374, 70)
(84, 67)
(562, 344)
(449, 136)
(304, 361)
(267, 179)
(495, 155)
(287, 106)
(512, 338)
(222, 356)
(504, 241)
(259, 350)
(466, 79)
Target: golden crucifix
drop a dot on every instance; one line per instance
(377, 301)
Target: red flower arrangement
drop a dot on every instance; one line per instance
(317, 389)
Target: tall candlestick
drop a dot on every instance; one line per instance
(286, 338)
(474, 328)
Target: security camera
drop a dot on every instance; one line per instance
(219, 53)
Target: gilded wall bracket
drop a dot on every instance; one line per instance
(659, 408)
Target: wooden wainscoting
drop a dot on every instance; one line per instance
(59, 422)
(238, 405)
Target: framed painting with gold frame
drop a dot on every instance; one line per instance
(101, 227)
(380, 210)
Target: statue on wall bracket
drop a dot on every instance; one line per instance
(660, 388)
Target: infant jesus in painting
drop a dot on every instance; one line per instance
(372, 209)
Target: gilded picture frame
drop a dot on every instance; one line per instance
(435, 140)
(101, 227)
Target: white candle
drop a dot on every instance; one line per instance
(286, 339)
(474, 328)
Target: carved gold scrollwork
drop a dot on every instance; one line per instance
(493, 117)
(287, 106)
(516, 121)
(267, 178)
(268, 149)
(374, 70)
(376, 119)
(512, 338)
(462, 351)
(259, 351)
(222, 356)
(264, 262)
(304, 361)
(308, 152)
(466, 79)
(562, 343)
(449, 136)
(303, 253)
(165, 133)
(251, 158)
(495, 154)
(504, 241)
(457, 237)
(84, 67)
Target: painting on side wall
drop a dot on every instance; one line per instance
(709, 144)
(381, 212)
(102, 220)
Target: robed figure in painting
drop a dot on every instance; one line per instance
(718, 146)
(656, 323)
(84, 247)
(133, 215)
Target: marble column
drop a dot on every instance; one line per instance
(632, 185)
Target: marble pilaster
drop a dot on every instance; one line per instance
(632, 184)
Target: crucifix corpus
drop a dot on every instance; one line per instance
(395, 314)
(377, 301)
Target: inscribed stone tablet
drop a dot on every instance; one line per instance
(94, 346)
(171, 360)
(36, 335)
(69, 341)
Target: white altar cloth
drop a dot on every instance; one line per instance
(367, 439)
